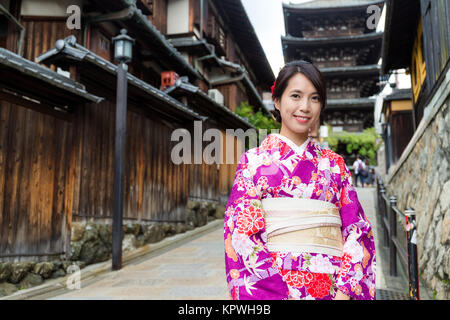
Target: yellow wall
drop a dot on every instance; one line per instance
(418, 67)
(401, 105)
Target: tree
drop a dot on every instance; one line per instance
(365, 144)
(258, 119)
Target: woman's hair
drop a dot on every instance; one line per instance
(291, 69)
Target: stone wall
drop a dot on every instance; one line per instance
(421, 180)
(91, 242)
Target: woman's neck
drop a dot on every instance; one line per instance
(297, 138)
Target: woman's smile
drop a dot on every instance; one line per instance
(302, 119)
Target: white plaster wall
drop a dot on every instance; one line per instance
(177, 16)
(48, 8)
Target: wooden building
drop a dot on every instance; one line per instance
(37, 157)
(335, 36)
(220, 41)
(417, 39)
(64, 118)
(398, 124)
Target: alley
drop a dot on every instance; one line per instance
(195, 270)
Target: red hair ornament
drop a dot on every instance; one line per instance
(273, 86)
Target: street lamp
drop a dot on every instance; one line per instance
(123, 48)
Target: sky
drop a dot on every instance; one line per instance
(267, 19)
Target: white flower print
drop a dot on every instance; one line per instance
(246, 173)
(354, 249)
(324, 164)
(294, 293)
(242, 244)
(321, 264)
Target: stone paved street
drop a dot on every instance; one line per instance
(195, 270)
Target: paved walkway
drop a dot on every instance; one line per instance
(195, 270)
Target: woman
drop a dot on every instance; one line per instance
(294, 228)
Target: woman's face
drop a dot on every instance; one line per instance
(299, 106)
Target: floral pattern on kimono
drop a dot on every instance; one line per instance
(280, 168)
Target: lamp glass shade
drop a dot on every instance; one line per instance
(119, 50)
(128, 50)
(123, 47)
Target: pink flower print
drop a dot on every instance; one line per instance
(250, 221)
(248, 185)
(262, 183)
(241, 184)
(276, 190)
(323, 181)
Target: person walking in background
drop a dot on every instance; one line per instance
(365, 174)
(359, 167)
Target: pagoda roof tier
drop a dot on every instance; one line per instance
(359, 103)
(360, 39)
(368, 46)
(367, 70)
(298, 17)
(334, 5)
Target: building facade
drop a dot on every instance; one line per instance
(191, 66)
(417, 39)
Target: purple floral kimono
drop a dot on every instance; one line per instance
(280, 168)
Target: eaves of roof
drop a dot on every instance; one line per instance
(24, 66)
(68, 49)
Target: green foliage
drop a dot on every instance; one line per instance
(365, 144)
(258, 119)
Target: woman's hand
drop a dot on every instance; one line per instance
(341, 296)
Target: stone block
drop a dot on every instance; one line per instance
(20, 270)
(444, 199)
(31, 280)
(5, 271)
(153, 233)
(58, 273)
(129, 243)
(445, 230)
(7, 289)
(43, 269)
(77, 231)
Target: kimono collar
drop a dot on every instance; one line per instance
(298, 149)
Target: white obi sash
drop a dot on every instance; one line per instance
(302, 225)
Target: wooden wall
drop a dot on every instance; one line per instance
(159, 17)
(227, 171)
(155, 188)
(42, 33)
(402, 130)
(203, 178)
(36, 181)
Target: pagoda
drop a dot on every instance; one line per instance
(340, 38)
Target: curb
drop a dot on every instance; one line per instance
(57, 286)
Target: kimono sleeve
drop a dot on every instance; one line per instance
(250, 269)
(356, 277)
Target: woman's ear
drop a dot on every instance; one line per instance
(276, 102)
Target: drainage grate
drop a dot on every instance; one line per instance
(391, 295)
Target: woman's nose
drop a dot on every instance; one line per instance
(304, 105)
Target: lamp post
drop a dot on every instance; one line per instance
(123, 47)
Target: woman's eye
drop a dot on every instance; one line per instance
(316, 99)
(295, 96)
